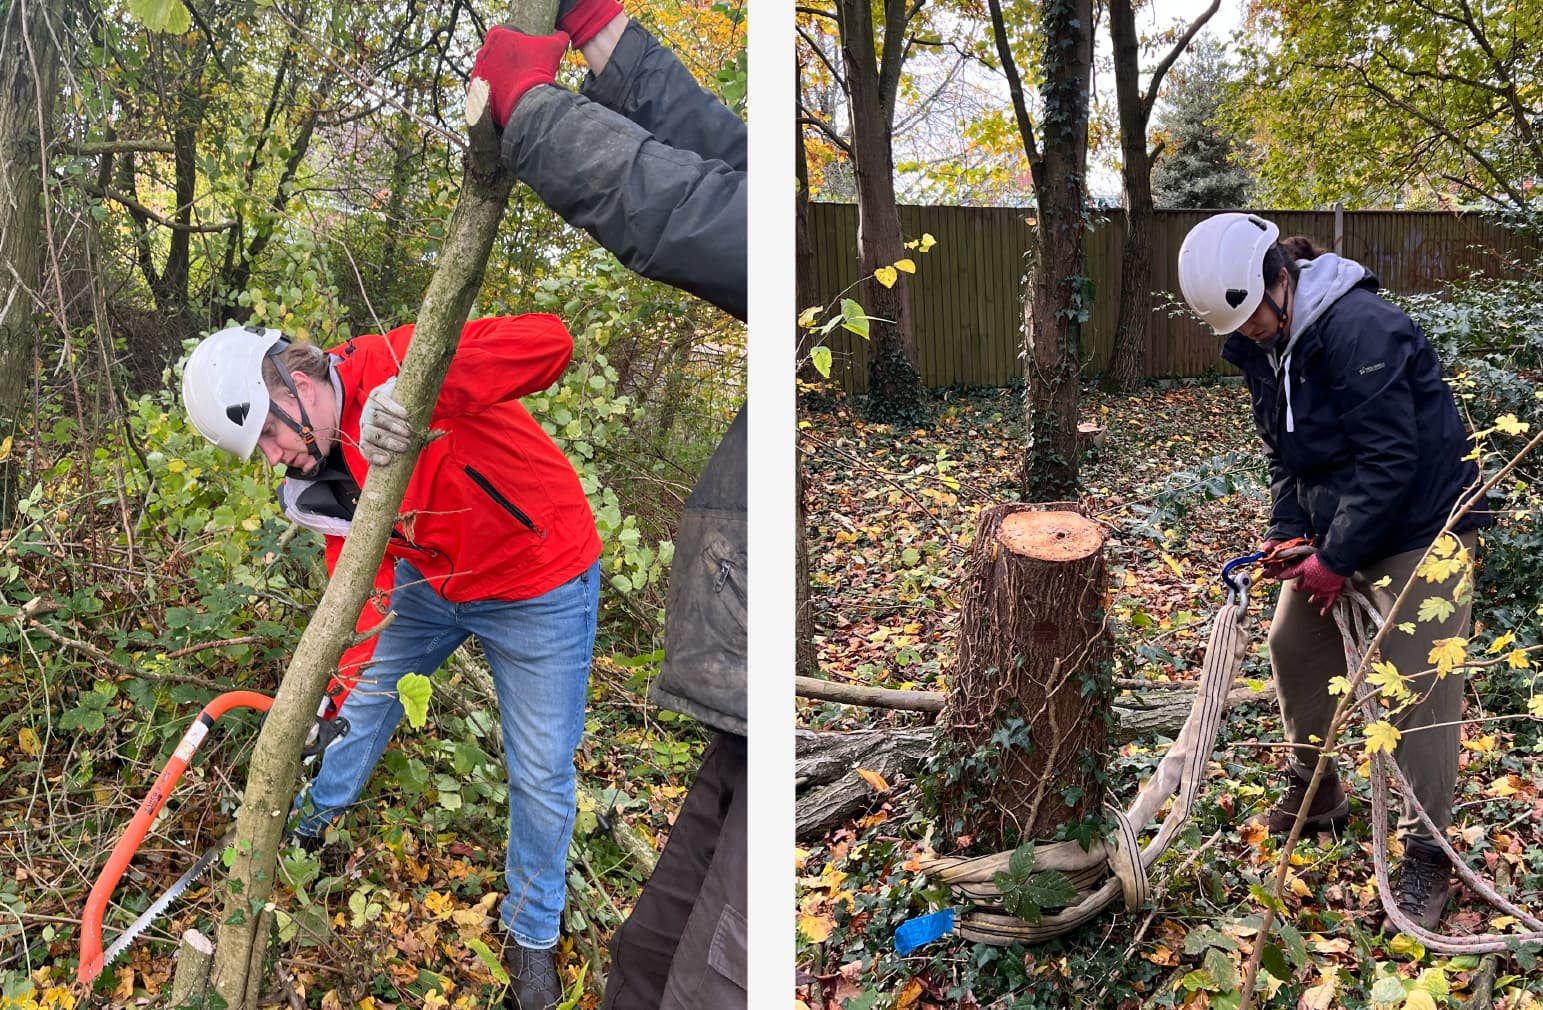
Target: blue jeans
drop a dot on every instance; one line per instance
(539, 652)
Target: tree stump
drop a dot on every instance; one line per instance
(1027, 722)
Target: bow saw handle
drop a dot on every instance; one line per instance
(96, 904)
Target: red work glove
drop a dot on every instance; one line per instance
(1316, 581)
(583, 19)
(512, 63)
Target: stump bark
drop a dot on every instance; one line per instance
(1026, 732)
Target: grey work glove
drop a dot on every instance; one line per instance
(384, 431)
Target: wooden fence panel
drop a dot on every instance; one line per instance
(967, 294)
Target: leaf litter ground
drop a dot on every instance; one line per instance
(1177, 485)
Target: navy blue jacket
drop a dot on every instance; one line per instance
(1375, 462)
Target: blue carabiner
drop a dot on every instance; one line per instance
(1235, 564)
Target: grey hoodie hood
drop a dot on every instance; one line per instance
(1323, 282)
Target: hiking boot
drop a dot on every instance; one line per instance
(1423, 887)
(1330, 809)
(533, 980)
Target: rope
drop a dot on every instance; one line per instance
(1358, 622)
(1105, 872)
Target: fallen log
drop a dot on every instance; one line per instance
(871, 697)
(830, 790)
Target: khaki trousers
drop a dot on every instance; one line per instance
(1306, 651)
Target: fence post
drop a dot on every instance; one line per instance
(1339, 227)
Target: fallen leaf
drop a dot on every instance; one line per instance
(874, 779)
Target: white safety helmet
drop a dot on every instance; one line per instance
(223, 389)
(1221, 268)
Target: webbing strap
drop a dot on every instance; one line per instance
(1122, 868)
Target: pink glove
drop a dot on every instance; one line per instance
(583, 19)
(1316, 581)
(512, 63)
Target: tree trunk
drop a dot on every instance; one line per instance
(894, 385)
(1127, 365)
(1059, 287)
(806, 660)
(1028, 715)
(275, 761)
(27, 69)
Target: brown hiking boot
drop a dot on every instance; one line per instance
(1423, 887)
(1330, 809)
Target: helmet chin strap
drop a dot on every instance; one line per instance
(303, 426)
(1282, 319)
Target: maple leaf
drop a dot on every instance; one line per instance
(1388, 681)
(1510, 425)
(1447, 653)
(1382, 736)
(1435, 608)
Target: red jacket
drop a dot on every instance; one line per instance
(494, 510)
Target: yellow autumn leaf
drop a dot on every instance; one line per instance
(1517, 659)
(1502, 786)
(1510, 425)
(874, 779)
(1535, 706)
(5, 448)
(1434, 569)
(1419, 999)
(1447, 653)
(1387, 680)
(1483, 744)
(29, 742)
(1500, 643)
(816, 928)
(1300, 888)
(177, 466)
(927, 241)
(886, 276)
(439, 905)
(909, 995)
(1502, 921)
(1382, 736)
(906, 265)
(809, 316)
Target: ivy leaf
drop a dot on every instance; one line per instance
(1381, 736)
(414, 691)
(168, 16)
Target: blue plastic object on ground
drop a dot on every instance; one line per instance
(923, 929)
